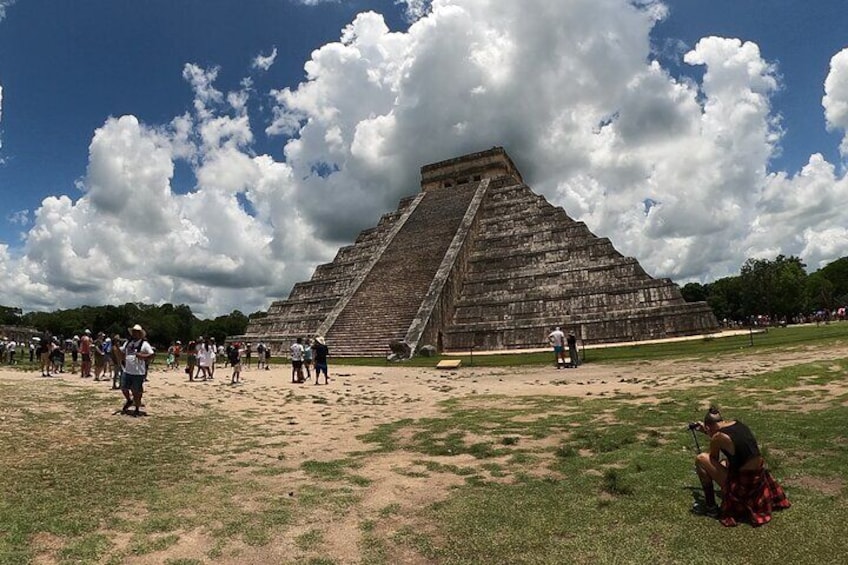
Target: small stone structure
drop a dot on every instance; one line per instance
(477, 260)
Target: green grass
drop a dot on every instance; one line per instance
(628, 499)
(70, 470)
(533, 479)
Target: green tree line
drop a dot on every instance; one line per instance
(164, 324)
(779, 288)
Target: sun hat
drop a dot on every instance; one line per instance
(320, 339)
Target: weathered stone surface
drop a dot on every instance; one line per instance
(427, 351)
(477, 260)
(400, 349)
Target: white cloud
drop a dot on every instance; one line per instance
(415, 9)
(20, 217)
(264, 62)
(569, 88)
(835, 100)
(5, 5)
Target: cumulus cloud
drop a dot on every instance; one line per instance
(835, 100)
(675, 171)
(264, 62)
(132, 238)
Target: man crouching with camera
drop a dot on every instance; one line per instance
(749, 493)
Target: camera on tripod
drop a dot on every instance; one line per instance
(694, 425)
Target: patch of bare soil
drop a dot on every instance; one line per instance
(287, 424)
(828, 486)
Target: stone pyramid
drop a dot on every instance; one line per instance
(476, 259)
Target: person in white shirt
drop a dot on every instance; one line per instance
(557, 340)
(297, 360)
(135, 353)
(206, 358)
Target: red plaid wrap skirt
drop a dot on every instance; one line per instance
(751, 496)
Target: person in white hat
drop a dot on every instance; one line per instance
(136, 351)
(85, 354)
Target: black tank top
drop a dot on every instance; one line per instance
(744, 445)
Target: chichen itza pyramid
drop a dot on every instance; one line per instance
(477, 259)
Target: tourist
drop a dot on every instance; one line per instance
(572, 350)
(117, 362)
(320, 351)
(169, 361)
(99, 356)
(109, 372)
(44, 355)
(247, 354)
(267, 358)
(213, 357)
(191, 359)
(85, 353)
(205, 357)
(11, 349)
(57, 356)
(178, 351)
(297, 360)
(260, 355)
(135, 352)
(74, 353)
(748, 490)
(307, 358)
(234, 358)
(557, 340)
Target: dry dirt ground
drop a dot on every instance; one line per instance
(309, 422)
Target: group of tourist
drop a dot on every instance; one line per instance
(559, 341)
(9, 350)
(306, 354)
(123, 360)
(203, 354)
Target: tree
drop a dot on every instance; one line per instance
(776, 288)
(694, 292)
(10, 316)
(819, 290)
(837, 273)
(725, 298)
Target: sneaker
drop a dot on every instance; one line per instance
(126, 408)
(705, 510)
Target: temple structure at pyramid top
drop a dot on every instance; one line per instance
(476, 260)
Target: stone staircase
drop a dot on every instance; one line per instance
(309, 303)
(386, 303)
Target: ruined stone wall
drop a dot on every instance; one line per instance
(535, 268)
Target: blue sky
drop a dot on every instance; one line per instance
(604, 106)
